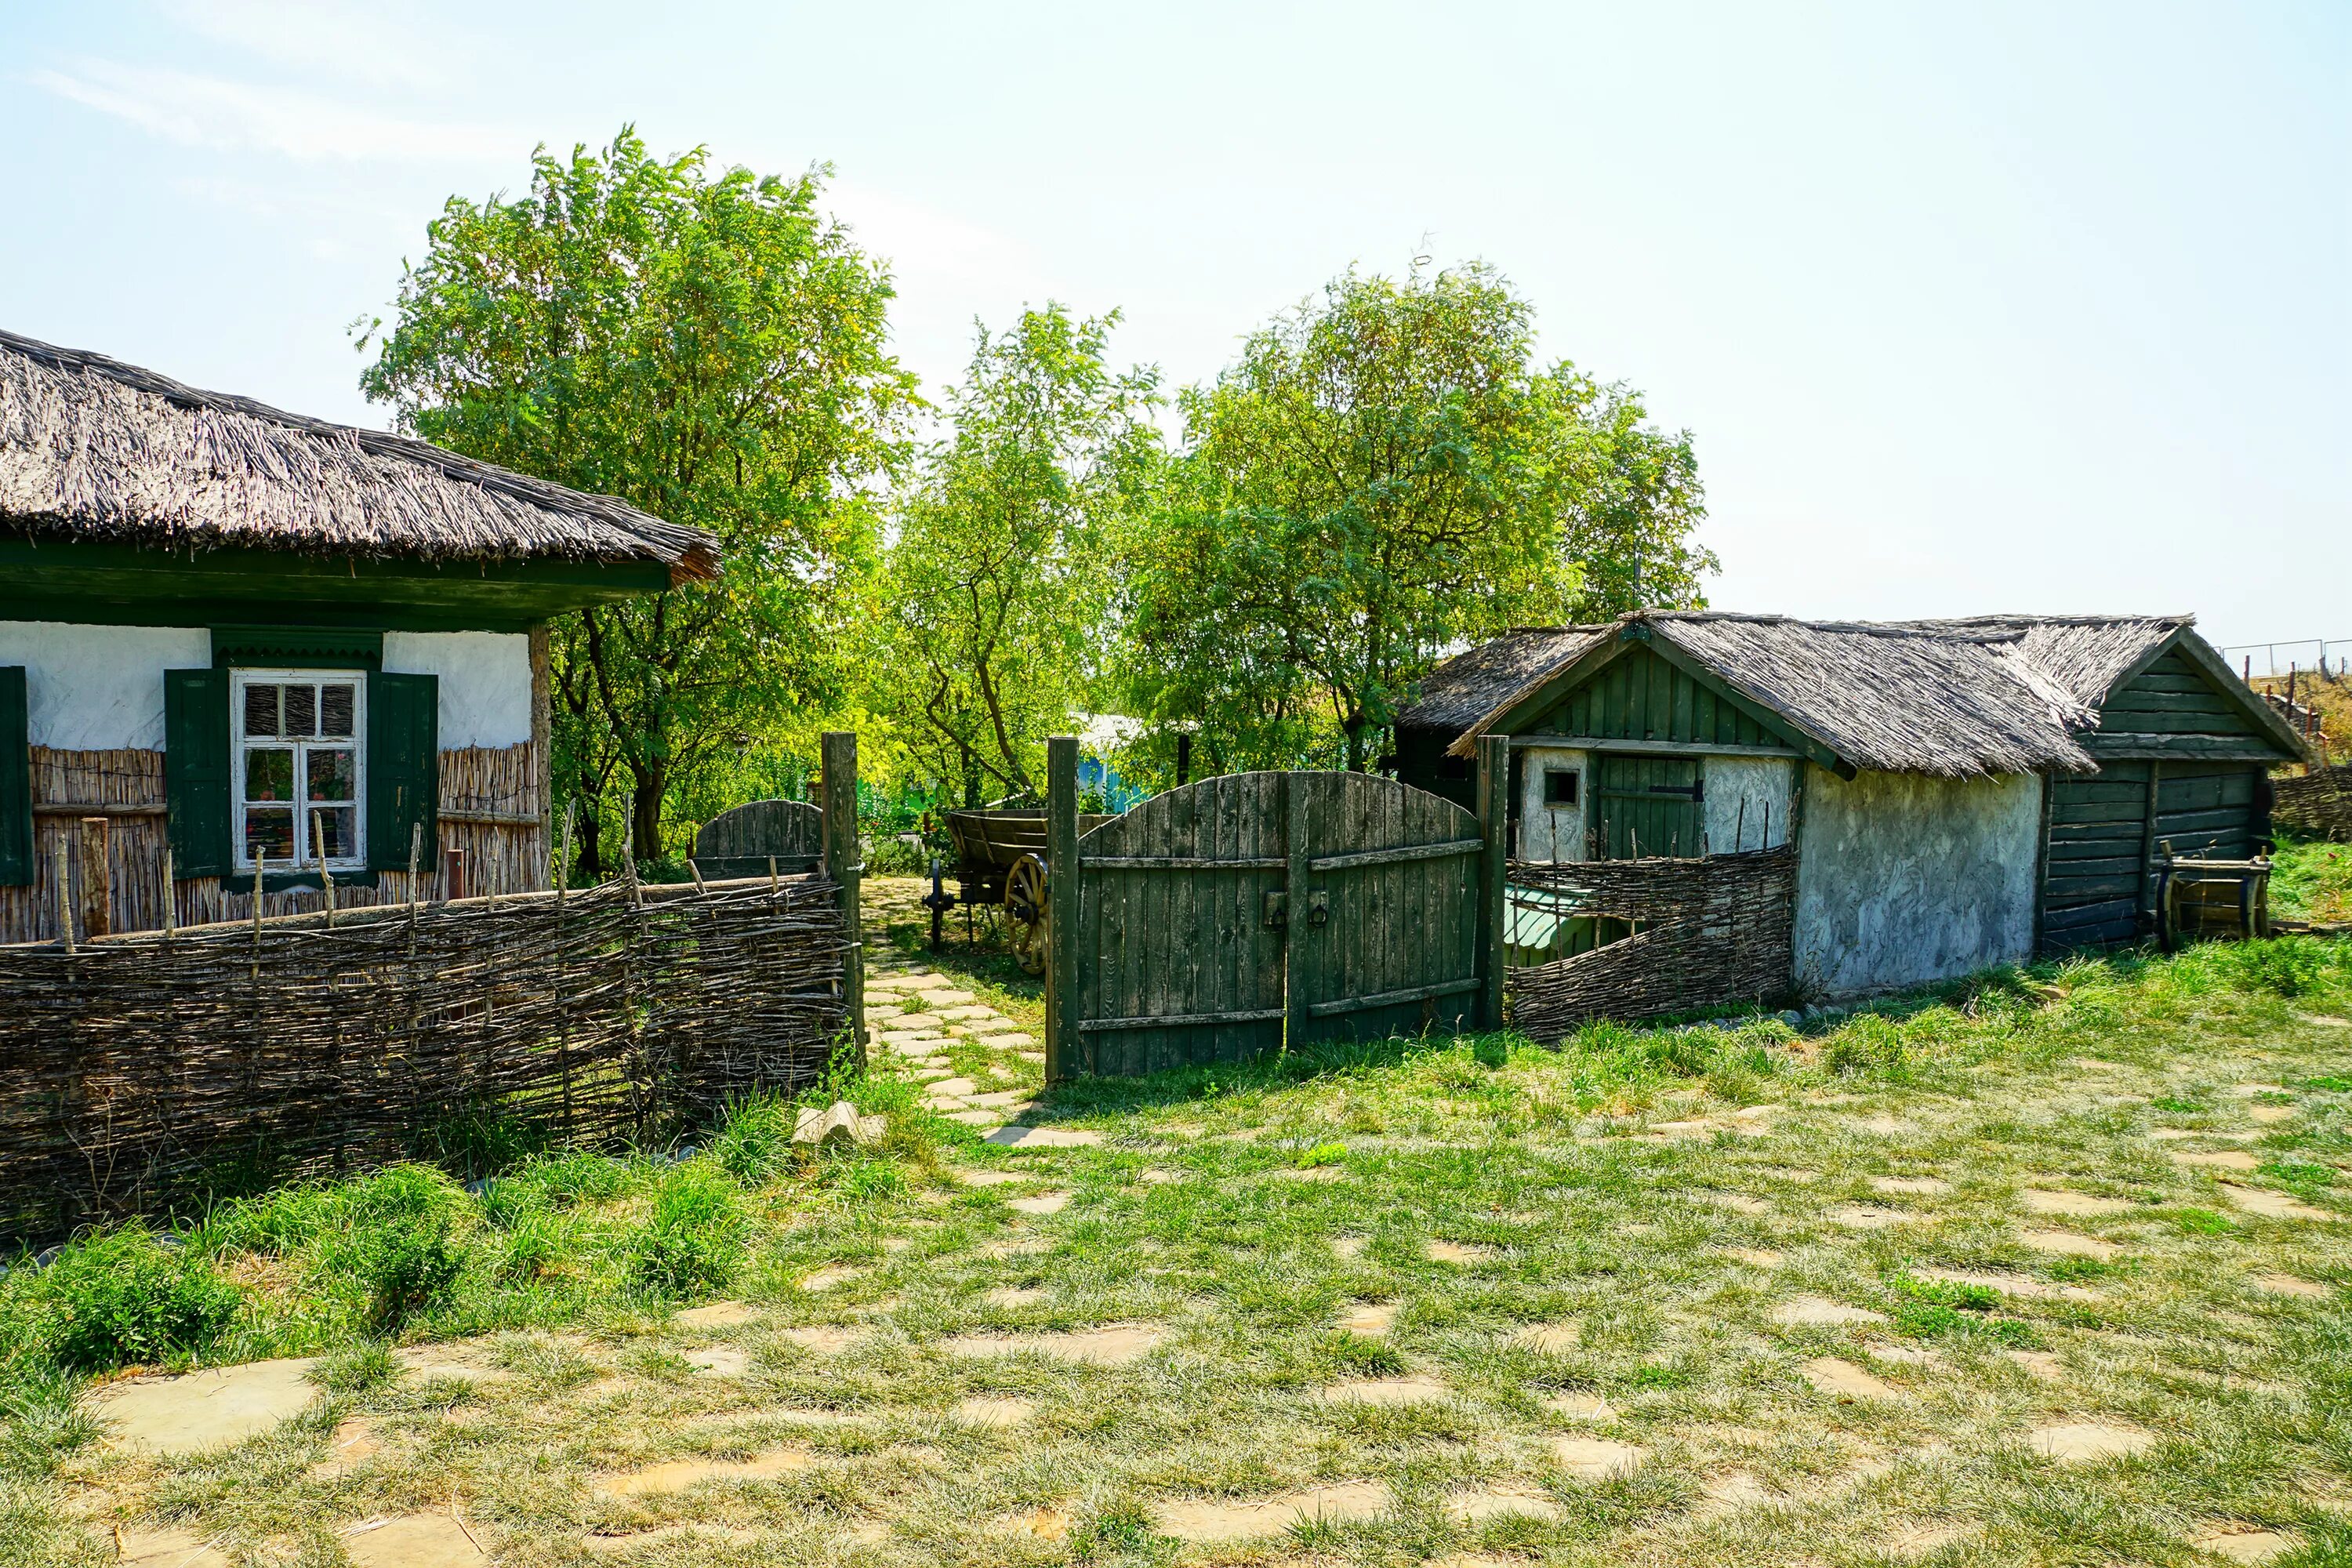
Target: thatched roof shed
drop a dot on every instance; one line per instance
(92, 450)
(2007, 694)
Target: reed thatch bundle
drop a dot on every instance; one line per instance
(2007, 694)
(139, 1069)
(93, 449)
(1714, 930)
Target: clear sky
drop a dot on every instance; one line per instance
(1970, 308)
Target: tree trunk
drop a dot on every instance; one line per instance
(971, 779)
(587, 827)
(644, 808)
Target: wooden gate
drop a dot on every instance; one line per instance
(1224, 918)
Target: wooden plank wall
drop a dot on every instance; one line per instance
(490, 796)
(1641, 697)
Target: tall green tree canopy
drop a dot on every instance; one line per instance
(1384, 475)
(999, 588)
(709, 347)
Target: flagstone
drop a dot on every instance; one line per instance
(2043, 1200)
(713, 1315)
(720, 1361)
(1845, 1379)
(829, 1278)
(825, 1338)
(1213, 1521)
(2069, 1244)
(2272, 1205)
(1865, 1216)
(171, 1548)
(2289, 1285)
(994, 1411)
(1042, 1203)
(1819, 1311)
(412, 1541)
(2244, 1543)
(2085, 1442)
(1754, 1256)
(1415, 1390)
(677, 1475)
(353, 1443)
(1552, 1338)
(1045, 1137)
(1458, 1252)
(1923, 1186)
(1100, 1347)
(205, 1409)
(1577, 1406)
(1473, 1508)
(1370, 1318)
(2218, 1160)
(1597, 1459)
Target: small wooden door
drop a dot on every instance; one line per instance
(1645, 806)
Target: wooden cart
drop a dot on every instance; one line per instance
(1000, 861)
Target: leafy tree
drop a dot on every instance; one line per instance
(997, 582)
(710, 348)
(1384, 475)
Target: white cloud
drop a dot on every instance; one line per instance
(329, 36)
(230, 116)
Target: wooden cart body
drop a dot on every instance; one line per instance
(988, 843)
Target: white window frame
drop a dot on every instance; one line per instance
(305, 857)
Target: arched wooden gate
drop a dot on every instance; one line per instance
(1226, 917)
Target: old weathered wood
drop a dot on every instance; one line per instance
(1180, 862)
(1654, 748)
(845, 864)
(453, 873)
(741, 841)
(1494, 874)
(1183, 1020)
(1389, 857)
(1062, 981)
(93, 878)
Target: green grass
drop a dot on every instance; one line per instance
(1247, 1210)
(2311, 879)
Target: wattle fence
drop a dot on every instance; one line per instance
(2319, 803)
(1706, 931)
(138, 1071)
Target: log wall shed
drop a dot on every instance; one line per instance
(1959, 792)
(231, 636)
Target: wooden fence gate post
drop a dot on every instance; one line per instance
(845, 866)
(1064, 1056)
(1494, 871)
(94, 882)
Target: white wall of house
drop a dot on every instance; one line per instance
(99, 689)
(1903, 878)
(1551, 832)
(485, 682)
(1747, 802)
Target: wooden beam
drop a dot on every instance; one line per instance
(1391, 857)
(1494, 871)
(1654, 747)
(2211, 748)
(1063, 1044)
(845, 864)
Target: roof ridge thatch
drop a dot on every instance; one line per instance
(90, 447)
(1981, 694)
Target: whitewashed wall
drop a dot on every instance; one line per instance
(1551, 832)
(99, 689)
(1903, 878)
(485, 682)
(1747, 800)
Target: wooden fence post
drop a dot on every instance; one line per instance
(95, 883)
(845, 866)
(1063, 1055)
(1494, 872)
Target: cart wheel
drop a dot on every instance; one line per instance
(1025, 914)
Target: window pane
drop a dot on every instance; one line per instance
(269, 773)
(329, 774)
(269, 830)
(261, 710)
(335, 710)
(301, 710)
(335, 823)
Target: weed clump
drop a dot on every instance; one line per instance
(124, 1296)
(692, 1243)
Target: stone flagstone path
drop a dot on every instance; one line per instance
(918, 1016)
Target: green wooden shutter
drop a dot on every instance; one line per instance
(196, 771)
(16, 781)
(403, 769)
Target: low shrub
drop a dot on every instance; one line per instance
(124, 1296)
(692, 1242)
(756, 1143)
(407, 1265)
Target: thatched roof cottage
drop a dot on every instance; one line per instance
(251, 639)
(1960, 793)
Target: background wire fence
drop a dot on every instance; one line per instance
(1711, 929)
(137, 1072)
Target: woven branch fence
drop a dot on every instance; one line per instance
(2319, 803)
(139, 1070)
(1714, 930)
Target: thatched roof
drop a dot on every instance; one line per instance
(92, 448)
(1992, 695)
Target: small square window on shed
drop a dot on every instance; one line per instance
(1560, 785)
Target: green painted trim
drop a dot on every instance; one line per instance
(113, 584)
(294, 881)
(313, 647)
